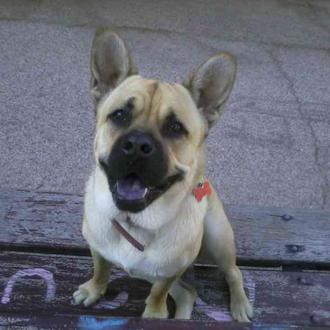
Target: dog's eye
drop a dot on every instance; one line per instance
(174, 128)
(121, 117)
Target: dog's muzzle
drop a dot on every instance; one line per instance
(138, 144)
(137, 171)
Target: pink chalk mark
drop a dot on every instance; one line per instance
(214, 313)
(223, 314)
(118, 301)
(43, 273)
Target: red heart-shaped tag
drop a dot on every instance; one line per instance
(202, 190)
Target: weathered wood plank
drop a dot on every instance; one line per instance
(103, 323)
(275, 236)
(124, 323)
(281, 235)
(43, 284)
(51, 221)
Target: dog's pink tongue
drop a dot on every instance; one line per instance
(131, 188)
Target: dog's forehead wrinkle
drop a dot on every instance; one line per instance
(152, 92)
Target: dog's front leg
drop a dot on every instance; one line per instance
(219, 242)
(91, 291)
(156, 306)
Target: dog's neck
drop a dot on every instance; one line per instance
(202, 190)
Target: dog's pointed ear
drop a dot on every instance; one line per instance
(110, 63)
(211, 84)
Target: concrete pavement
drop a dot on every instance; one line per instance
(272, 145)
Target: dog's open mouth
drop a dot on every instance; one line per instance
(131, 194)
(131, 188)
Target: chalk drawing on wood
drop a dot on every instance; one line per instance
(218, 313)
(120, 300)
(46, 275)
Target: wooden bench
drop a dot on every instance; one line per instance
(284, 255)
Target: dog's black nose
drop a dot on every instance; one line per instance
(138, 144)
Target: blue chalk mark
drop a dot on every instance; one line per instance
(91, 323)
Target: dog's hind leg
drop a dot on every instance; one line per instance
(218, 240)
(184, 296)
(156, 302)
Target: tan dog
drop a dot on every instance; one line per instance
(148, 208)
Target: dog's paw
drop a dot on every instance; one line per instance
(89, 293)
(155, 313)
(241, 309)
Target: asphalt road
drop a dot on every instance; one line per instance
(271, 146)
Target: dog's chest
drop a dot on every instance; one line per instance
(168, 250)
(158, 260)
(149, 264)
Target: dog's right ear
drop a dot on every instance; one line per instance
(211, 84)
(110, 63)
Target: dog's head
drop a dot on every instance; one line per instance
(149, 134)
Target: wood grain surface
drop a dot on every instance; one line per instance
(301, 298)
(284, 254)
(27, 321)
(264, 236)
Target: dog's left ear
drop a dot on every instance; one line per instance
(211, 84)
(111, 63)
